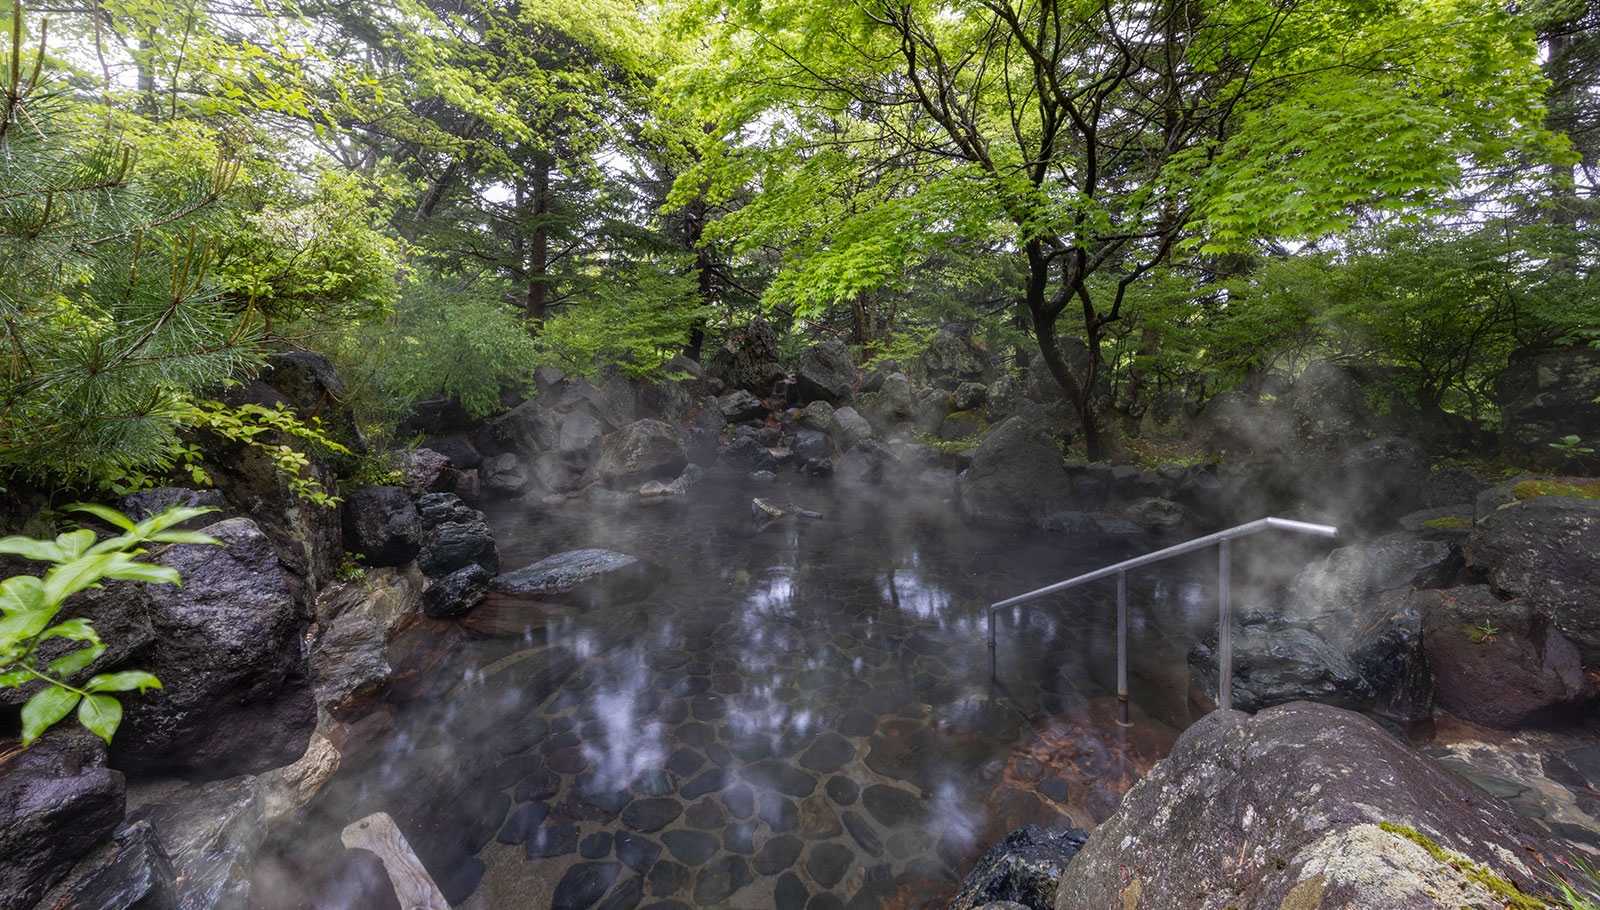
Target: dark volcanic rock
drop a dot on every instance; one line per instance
(1275, 662)
(643, 450)
(1297, 807)
(1546, 551)
(826, 373)
(457, 592)
(1024, 868)
(131, 871)
(1017, 477)
(454, 535)
(951, 358)
(719, 880)
(780, 776)
(57, 801)
(748, 359)
(211, 832)
(381, 524)
(584, 576)
(236, 697)
(1547, 395)
(583, 885)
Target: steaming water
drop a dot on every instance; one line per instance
(800, 714)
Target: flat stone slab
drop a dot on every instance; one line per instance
(585, 577)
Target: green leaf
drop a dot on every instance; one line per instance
(71, 577)
(20, 626)
(122, 682)
(44, 709)
(21, 593)
(100, 713)
(77, 629)
(108, 515)
(75, 543)
(14, 678)
(166, 518)
(183, 537)
(142, 571)
(28, 548)
(69, 664)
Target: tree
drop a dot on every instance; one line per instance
(1095, 138)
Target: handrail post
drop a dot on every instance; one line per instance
(1225, 626)
(992, 673)
(1122, 648)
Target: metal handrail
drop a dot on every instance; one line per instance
(1223, 540)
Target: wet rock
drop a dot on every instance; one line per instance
(739, 838)
(427, 471)
(739, 406)
(434, 417)
(1387, 649)
(132, 870)
(1328, 410)
(1318, 802)
(587, 577)
(1158, 515)
(719, 880)
(862, 833)
(828, 863)
(236, 695)
(816, 416)
(843, 790)
(552, 840)
(457, 592)
(1497, 663)
(962, 425)
(692, 848)
(211, 833)
(579, 441)
(789, 893)
(1379, 481)
(740, 801)
(812, 444)
(649, 815)
(818, 820)
(641, 451)
(1016, 477)
(780, 814)
(780, 776)
(1546, 551)
(667, 877)
(583, 884)
(867, 462)
(382, 525)
(454, 535)
(1547, 395)
(1337, 593)
(505, 474)
(891, 806)
(827, 372)
(1452, 487)
(856, 722)
(748, 359)
(952, 358)
(142, 504)
(709, 782)
(1275, 662)
(624, 896)
(828, 753)
(847, 428)
(524, 431)
(350, 666)
(523, 822)
(1024, 868)
(58, 800)
(706, 814)
(637, 853)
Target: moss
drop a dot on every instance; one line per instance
(1448, 523)
(1583, 489)
(1503, 890)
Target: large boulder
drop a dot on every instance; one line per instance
(1379, 481)
(827, 372)
(1235, 422)
(236, 695)
(580, 439)
(382, 525)
(847, 427)
(748, 359)
(309, 383)
(212, 833)
(1024, 868)
(1545, 396)
(641, 451)
(1546, 551)
(1495, 662)
(57, 800)
(130, 870)
(1017, 477)
(614, 405)
(454, 535)
(741, 405)
(1274, 663)
(1301, 807)
(525, 430)
(584, 576)
(952, 358)
(1328, 411)
(1337, 594)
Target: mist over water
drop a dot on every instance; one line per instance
(798, 704)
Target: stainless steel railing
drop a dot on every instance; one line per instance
(1223, 541)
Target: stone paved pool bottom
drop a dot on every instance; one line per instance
(799, 715)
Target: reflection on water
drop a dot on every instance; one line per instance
(799, 715)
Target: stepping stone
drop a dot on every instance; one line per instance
(685, 762)
(862, 833)
(523, 821)
(818, 821)
(709, 706)
(777, 854)
(509, 772)
(706, 814)
(637, 853)
(625, 896)
(828, 753)
(709, 782)
(1053, 789)
(521, 736)
(541, 784)
(891, 806)
(583, 885)
(694, 733)
(739, 838)
(595, 845)
(667, 877)
(568, 761)
(826, 901)
(789, 893)
(751, 747)
(780, 776)
(740, 801)
(652, 814)
(843, 790)
(564, 741)
(557, 840)
(828, 863)
(719, 880)
(692, 848)
(691, 685)
(780, 814)
(587, 577)
(719, 755)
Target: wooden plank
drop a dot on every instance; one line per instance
(412, 883)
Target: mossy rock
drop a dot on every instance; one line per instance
(1448, 523)
(1583, 489)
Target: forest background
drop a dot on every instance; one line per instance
(1163, 198)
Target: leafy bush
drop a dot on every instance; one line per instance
(30, 606)
(636, 319)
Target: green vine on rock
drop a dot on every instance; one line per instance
(30, 605)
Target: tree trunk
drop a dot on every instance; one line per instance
(1044, 316)
(539, 241)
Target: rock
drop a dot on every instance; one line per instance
(350, 666)
(1042, 387)
(961, 425)
(287, 790)
(526, 430)
(667, 399)
(354, 878)
(212, 833)
(236, 697)
(580, 439)
(969, 396)
(1275, 663)
(1003, 396)
(504, 474)
(1300, 806)
(132, 871)
(554, 474)
(58, 800)
(311, 385)
(952, 358)
(1496, 663)
(828, 863)
(1328, 410)
(748, 359)
(1387, 648)
(1452, 487)
(583, 885)
(1234, 422)
(1335, 594)
(458, 448)
(457, 592)
(739, 406)
(642, 450)
(583, 576)
(1158, 515)
(382, 525)
(454, 535)
(427, 471)
(1545, 396)
(894, 403)
(818, 415)
(867, 462)
(1166, 416)
(1017, 477)
(747, 454)
(827, 372)
(145, 503)
(1546, 551)
(720, 880)
(848, 428)
(1025, 868)
(435, 417)
(613, 406)
(1379, 481)
(812, 444)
